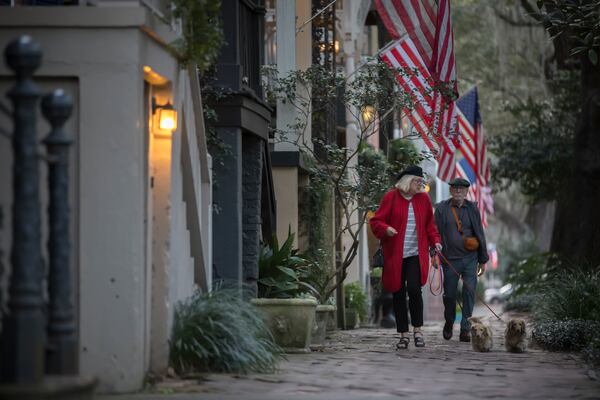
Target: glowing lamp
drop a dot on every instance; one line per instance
(368, 114)
(167, 116)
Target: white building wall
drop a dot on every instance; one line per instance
(354, 13)
(103, 52)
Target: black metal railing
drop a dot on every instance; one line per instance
(323, 55)
(38, 333)
(251, 33)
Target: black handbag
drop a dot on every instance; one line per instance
(377, 260)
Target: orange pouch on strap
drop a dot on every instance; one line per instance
(470, 243)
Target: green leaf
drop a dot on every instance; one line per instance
(268, 281)
(308, 286)
(288, 271)
(593, 56)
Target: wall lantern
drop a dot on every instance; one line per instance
(167, 116)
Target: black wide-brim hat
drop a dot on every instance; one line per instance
(459, 182)
(414, 170)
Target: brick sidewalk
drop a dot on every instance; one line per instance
(362, 363)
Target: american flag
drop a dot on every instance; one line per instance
(425, 45)
(475, 165)
(472, 138)
(482, 195)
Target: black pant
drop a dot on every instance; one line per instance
(411, 283)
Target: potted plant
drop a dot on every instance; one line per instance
(284, 297)
(355, 302)
(317, 278)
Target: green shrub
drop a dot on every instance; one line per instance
(221, 332)
(402, 153)
(373, 182)
(528, 275)
(519, 303)
(572, 296)
(570, 335)
(282, 274)
(355, 297)
(202, 33)
(591, 352)
(319, 278)
(377, 272)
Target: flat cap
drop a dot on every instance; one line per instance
(459, 182)
(414, 170)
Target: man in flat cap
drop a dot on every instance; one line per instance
(459, 224)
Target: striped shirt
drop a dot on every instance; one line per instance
(411, 247)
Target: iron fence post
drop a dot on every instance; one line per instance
(23, 335)
(61, 355)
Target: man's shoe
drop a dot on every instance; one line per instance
(447, 332)
(464, 336)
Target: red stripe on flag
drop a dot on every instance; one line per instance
(417, 29)
(387, 21)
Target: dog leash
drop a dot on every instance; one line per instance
(439, 253)
(434, 269)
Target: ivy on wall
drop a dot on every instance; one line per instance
(202, 35)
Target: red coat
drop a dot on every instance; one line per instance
(393, 211)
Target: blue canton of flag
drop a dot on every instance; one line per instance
(468, 105)
(472, 144)
(474, 166)
(467, 171)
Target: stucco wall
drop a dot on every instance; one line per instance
(111, 194)
(104, 51)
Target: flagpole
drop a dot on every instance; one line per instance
(375, 56)
(300, 28)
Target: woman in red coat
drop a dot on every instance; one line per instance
(405, 226)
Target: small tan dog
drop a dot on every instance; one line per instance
(515, 336)
(481, 335)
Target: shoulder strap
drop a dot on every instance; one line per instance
(458, 223)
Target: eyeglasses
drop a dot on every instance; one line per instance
(419, 181)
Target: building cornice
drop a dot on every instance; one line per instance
(88, 18)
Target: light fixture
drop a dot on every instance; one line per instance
(368, 114)
(336, 46)
(167, 116)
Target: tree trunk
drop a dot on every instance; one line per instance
(577, 225)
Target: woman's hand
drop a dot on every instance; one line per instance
(480, 269)
(391, 231)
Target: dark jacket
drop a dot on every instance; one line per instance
(442, 209)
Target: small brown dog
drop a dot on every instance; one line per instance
(481, 335)
(515, 336)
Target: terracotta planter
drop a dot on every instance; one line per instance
(290, 321)
(323, 314)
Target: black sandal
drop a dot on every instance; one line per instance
(403, 343)
(419, 341)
